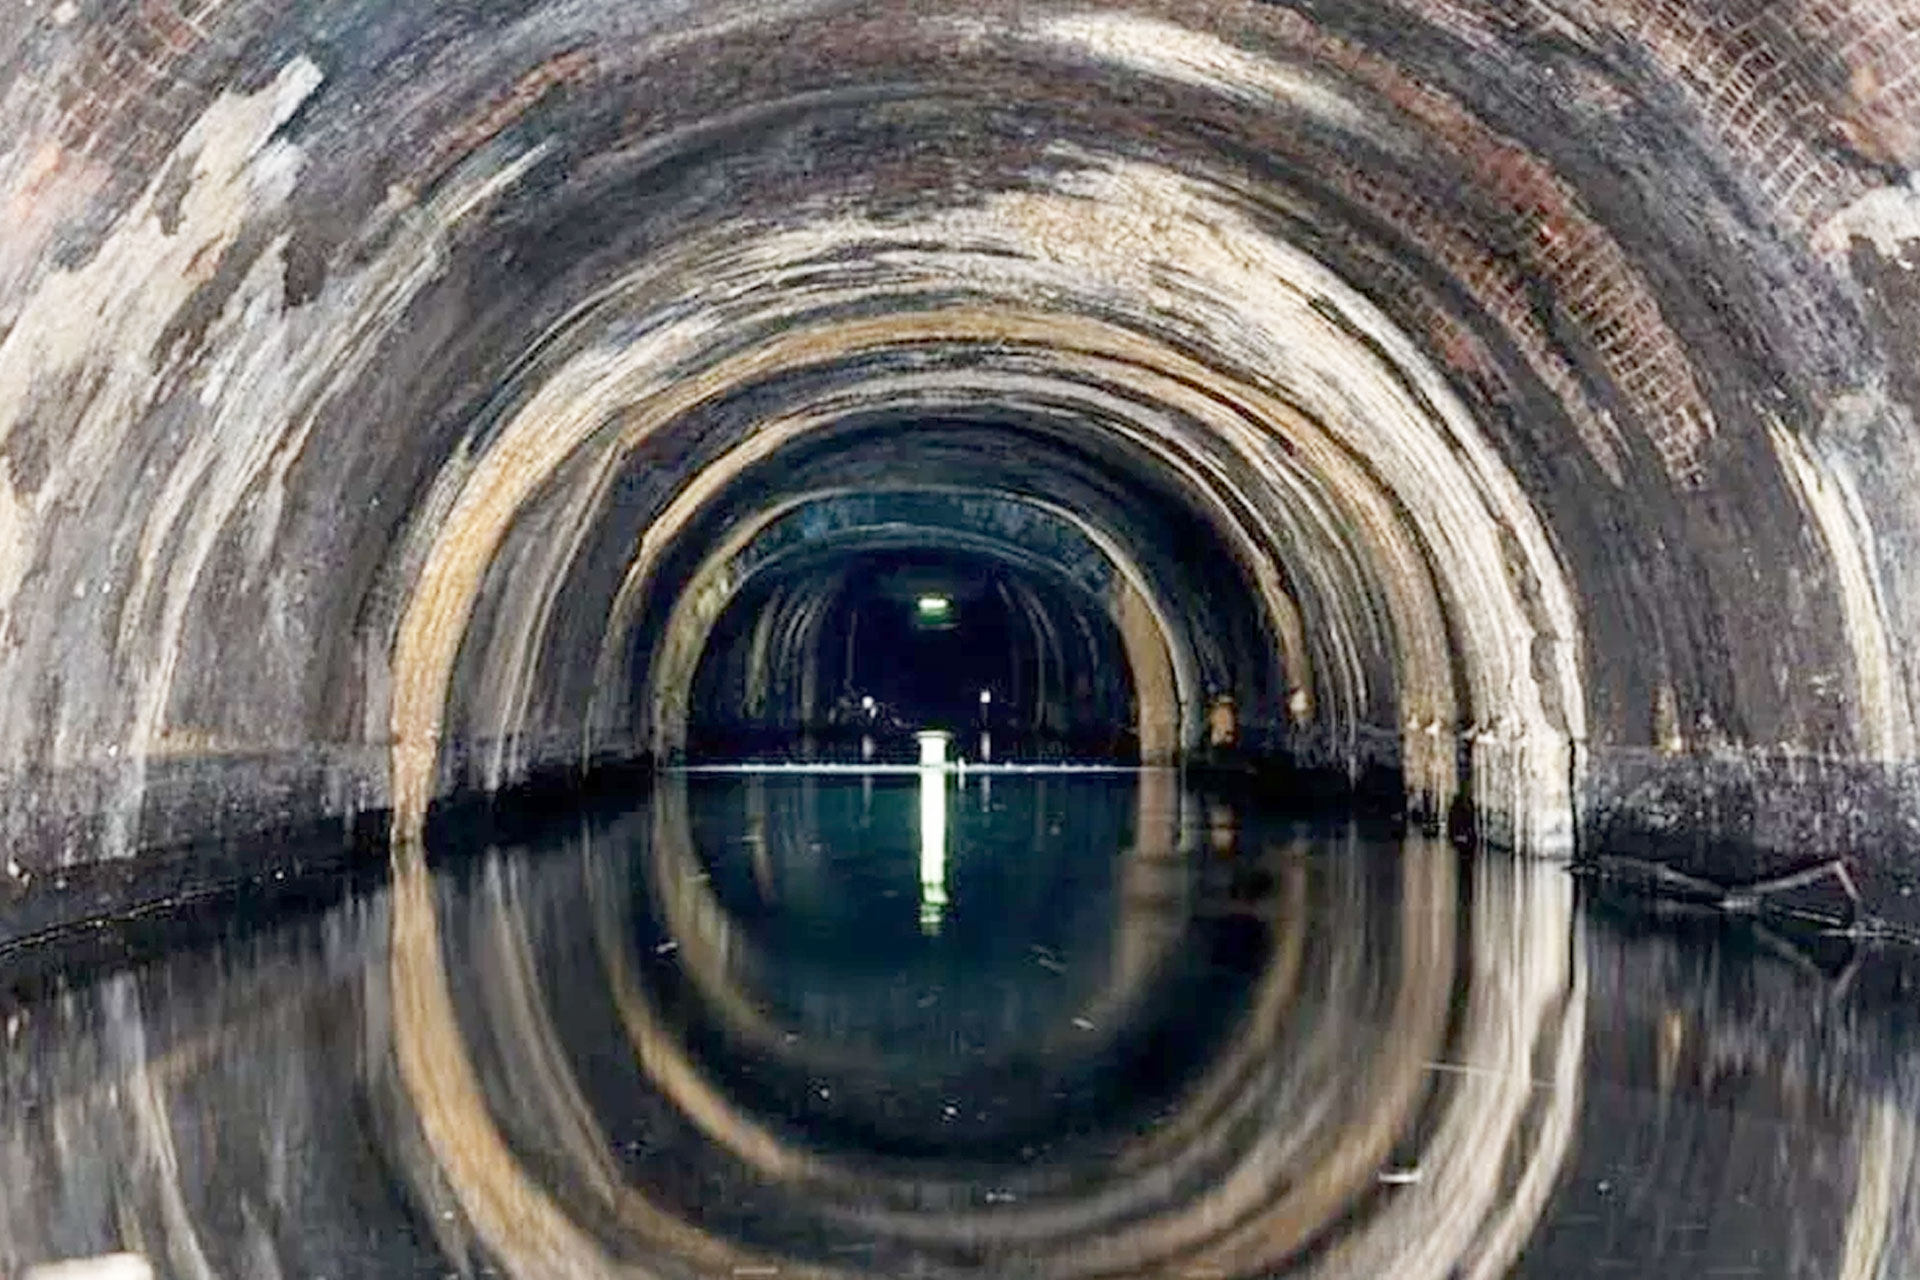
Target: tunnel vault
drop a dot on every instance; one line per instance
(1512, 398)
(1154, 664)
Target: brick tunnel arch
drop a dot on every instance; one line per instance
(1564, 411)
(1559, 417)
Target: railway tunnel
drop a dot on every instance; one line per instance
(1502, 409)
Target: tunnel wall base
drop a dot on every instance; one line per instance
(1738, 817)
(1729, 817)
(77, 816)
(214, 828)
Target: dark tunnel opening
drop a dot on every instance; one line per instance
(851, 658)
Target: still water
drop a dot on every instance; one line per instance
(926, 1024)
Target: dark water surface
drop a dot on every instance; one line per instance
(989, 1024)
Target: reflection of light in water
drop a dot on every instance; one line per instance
(986, 745)
(757, 842)
(933, 831)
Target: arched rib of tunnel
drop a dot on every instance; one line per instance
(1513, 400)
(1167, 615)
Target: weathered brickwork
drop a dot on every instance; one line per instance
(1541, 222)
(1878, 43)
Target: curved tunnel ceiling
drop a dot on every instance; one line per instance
(1540, 373)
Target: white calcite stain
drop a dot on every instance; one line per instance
(103, 317)
(1882, 718)
(106, 1266)
(1886, 217)
(278, 369)
(509, 690)
(1179, 53)
(268, 372)
(1268, 81)
(16, 544)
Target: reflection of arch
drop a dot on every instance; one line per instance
(717, 956)
(1284, 1135)
(1160, 665)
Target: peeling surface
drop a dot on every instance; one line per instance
(1886, 217)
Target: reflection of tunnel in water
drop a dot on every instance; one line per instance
(1159, 1031)
(1154, 1030)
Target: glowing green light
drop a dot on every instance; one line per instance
(934, 606)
